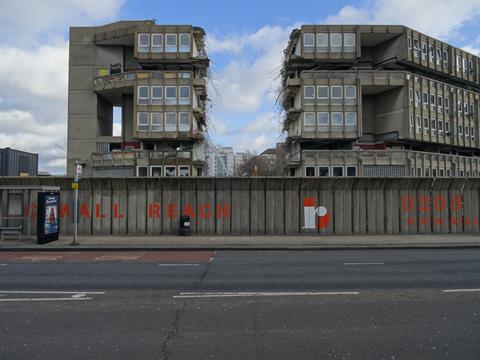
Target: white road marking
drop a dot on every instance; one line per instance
(3, 264)
(365, 263)
(45, 299)
(74, 295)
(178, 264)
(185, 295)
(460, 290)
(52, 292)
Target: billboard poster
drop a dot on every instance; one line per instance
(48, 223)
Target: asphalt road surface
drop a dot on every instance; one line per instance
(368, 304)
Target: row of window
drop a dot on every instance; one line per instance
(331, 170)
(436, 55)
(437, 125)
(158, 121)
(159, 170)
(437, 102)
(326, 118)
(333, 42)
(160, 95)
(157, 42)
(335, 93)
(440, 173)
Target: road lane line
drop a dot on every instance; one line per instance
(3, 264)
(178, 264)
(45, 299)
(460, 290)
(51, 292)
(260, 294)
(365, 263)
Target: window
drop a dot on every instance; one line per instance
(416, 47)
(460, 107)
(427, 171)
(459, 63)
(156, 121)
(467, 132)
(431, 53)
(323, 118)
(336, 93)
(410, 43)
(322, 94)
(460, 130)
(472, 133)
(465, 65)
(323, 171)
(170, 95)
(432, 102)
(309, 170)
(184, 121)
(418, 121)
(157, 42)
(447, 127)
(449, 173)
(461, 172)
(15, 205)
(143, 95)
(156, 171)
(447, 105)
(171, 43)
(142, 121)
(351, 118)
(350, 94)
(442, 172)
(143, 43)
(349, 42)
(184, 95)
(439, 56)
(322, 42)
(308, 42)
(425, 123)
(337, 170)
(337, 118)
(471, 112)
(309, 94)
(445, 58)
(170, 171)
(470, 66)
(171, 121)
(425, 99)
(439, 103)
(142, 171)
(184, 170)
(351, 171)
(440, 126)
(433, 126)
(412, 123)
(335, 42)
(434, 172)
(418, 98)
(157, 95)
(424, 51)
(184, 41)
(309, 121)
(410, 95)
(419, 171)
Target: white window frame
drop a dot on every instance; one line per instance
(138, 122)
(143, 48)
(354, 92)
(156, 100)
(311, 118)
(314, 170)
(433, 125)
(142, 100)
(351, 37)
(338, 167)
(333, 117)
(445, 58)
(323, 113)
(156, 167)
(305, 97)
(334, 47)
(184, 100)
(157, 48)
(171, 48)
(438, 56)
(143, 167)
(323, 166)
(352, 167)
(184, 48)
(322, 48)
(323, 97)
(156, 127)
(184, 167)
(172, 167)
(431, 53)
(308, 48)
(354, 118)
(183, 127)
(424, 50)
(169, 100)
(173, 126)
(331, 92)
(440, 126)
(418, 124)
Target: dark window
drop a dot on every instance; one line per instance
(323, 171)
(310, 171)
(351, 171)
(337, 171)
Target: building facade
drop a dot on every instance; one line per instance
(18, 163)
(379, 101)
(156, 75)
(224, 161)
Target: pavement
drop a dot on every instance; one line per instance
(249, 242)
(350, 304)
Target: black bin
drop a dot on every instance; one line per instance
(185, 226)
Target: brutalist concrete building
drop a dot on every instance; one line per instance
(156, 75)
(379, 101)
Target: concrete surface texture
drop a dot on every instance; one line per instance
(260, 206)
(385, 304)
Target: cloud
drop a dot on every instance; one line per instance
(268, 121)
(437, 18)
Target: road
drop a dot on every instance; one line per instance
(363, 304)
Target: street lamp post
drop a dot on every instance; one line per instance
(75, 184)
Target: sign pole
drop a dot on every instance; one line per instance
(75, 204)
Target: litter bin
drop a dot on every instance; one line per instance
(184, 225)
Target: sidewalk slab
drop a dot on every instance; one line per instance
(249, 242)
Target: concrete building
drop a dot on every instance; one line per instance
(18, 163)
(379, 101)
(157, 75)
(224, 161)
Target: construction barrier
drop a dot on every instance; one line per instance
(253, 206)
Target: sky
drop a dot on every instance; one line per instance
(245, 42)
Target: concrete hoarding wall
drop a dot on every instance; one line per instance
(277, 206)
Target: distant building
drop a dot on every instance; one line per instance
(18, 163)
(224, 161)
